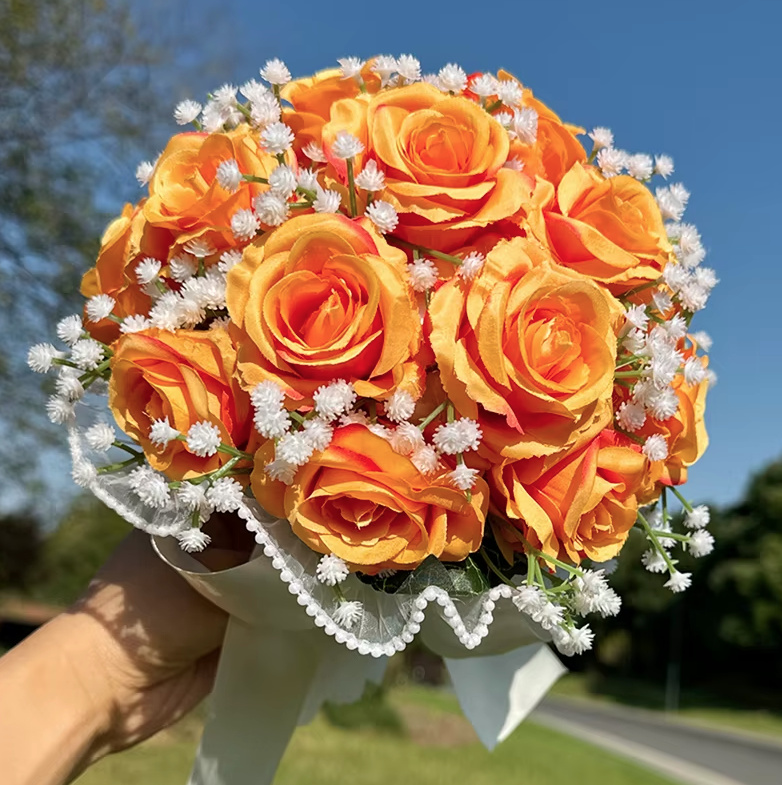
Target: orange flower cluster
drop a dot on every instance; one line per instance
(427, 315)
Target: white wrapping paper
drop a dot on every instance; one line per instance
(277, 668)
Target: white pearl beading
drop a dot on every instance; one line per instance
(392, 628)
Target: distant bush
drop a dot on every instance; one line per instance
(20, 550)
(371, 711)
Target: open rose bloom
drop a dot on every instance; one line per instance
(414, 335)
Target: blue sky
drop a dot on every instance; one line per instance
(697, 80)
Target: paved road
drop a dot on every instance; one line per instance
(689, 754)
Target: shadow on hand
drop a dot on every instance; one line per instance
(157, 639)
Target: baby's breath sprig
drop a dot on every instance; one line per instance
(346, 147)
(657, 527)
(656, 537)
(555, 601)
(332, 571)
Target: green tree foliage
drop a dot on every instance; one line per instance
(86, 92)
(745, 573)
(74, 96)
(730, 621)
(20, 550)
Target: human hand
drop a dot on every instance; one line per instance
(156, 642)
(133, 655)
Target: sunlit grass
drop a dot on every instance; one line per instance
(438, 746)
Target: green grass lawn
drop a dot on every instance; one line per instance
(698, 707)
(435, 746)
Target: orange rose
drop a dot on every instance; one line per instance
(528, 349)
(127, 240)
(608, 229)
(556, 147)
(323, 298)
(187, 377)
(184, 195)
(312, 99)
(578, 506)
(371, 507)
(443, 157)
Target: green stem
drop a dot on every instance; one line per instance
(631, 436)
(240, 454)
(308, 192)
(245, 110)
(446, 257)
(687, 506)
(223, 448)
(665, 504)
(641, 288)
(493, 107)
(493, 567)
(676, 536)
(90, 376)
(221, 472)
(226, 468)
(531, 549)
(60, 361)
(460, 462)
(127, 448)
(115, 467)
(654, 538)
(561, 587)
(435, 413)
(626, 374)
(351, 189)
(629, 360)
(251, 178)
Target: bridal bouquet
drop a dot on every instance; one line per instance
(416, 320)
(422, 343)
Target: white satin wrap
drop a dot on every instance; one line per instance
(277, 668)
